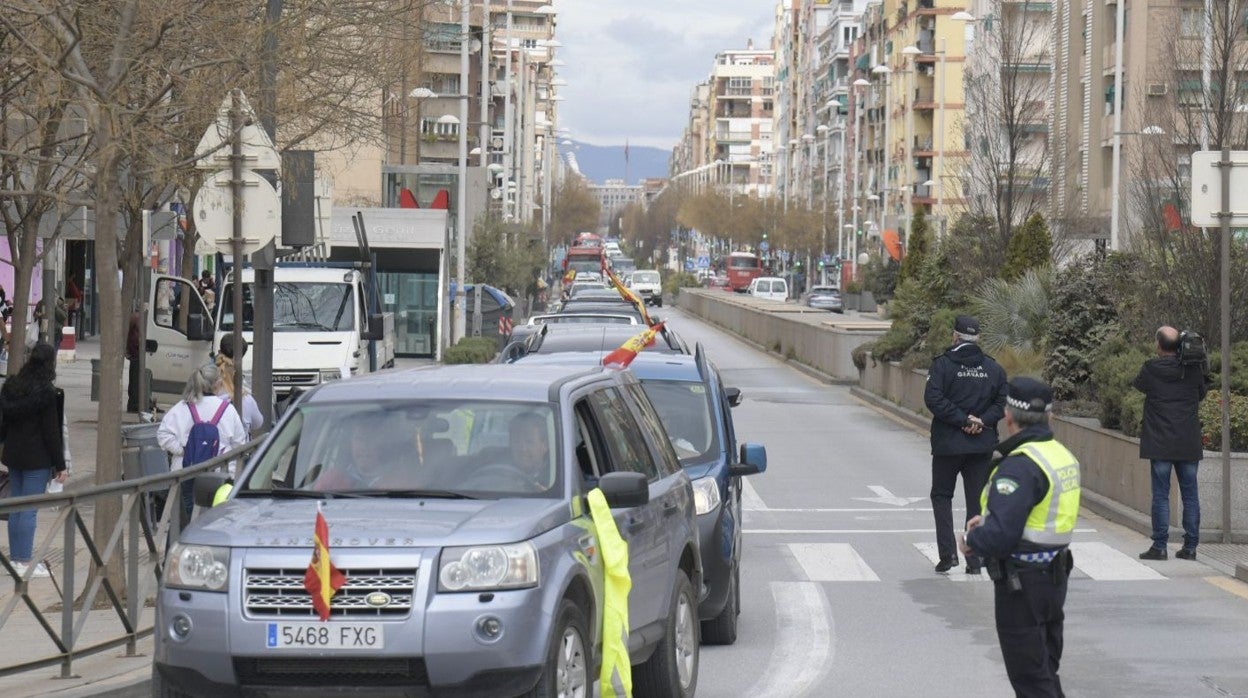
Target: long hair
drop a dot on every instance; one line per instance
(37, 373)
(203, 381)
(225, 366)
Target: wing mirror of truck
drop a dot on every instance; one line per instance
(376, 330)
(753, 460)
(199, 327)
(734, 396)
(624, 490)
(206, 487)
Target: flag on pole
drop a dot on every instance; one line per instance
(624, 355)
(322, 580)
(625, 292)
(569, 277)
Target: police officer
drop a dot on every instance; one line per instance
(1029, 509)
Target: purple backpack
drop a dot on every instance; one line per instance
(204, 442)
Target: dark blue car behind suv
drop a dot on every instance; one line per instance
(696, 411)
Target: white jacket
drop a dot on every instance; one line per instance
(175, 428)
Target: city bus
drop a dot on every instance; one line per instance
(743, 267)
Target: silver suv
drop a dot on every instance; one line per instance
(455, 500)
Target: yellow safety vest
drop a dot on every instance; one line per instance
(616, 678)
(222, 493)
(1051, 522)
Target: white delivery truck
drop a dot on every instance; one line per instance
(325, 326)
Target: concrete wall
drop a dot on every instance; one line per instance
(819, 339)
(1112, 468)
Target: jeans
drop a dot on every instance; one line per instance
(1186, 472)
(23, 483)
(974, 468)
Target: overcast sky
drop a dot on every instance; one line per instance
(631, 64)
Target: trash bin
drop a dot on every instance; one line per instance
(141, 454)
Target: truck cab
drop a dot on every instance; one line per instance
(322, 328)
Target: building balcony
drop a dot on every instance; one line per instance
(923, 145)
(734, 136)
(924, 100)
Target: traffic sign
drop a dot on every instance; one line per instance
(704, 262)
(213, 151)
(1207, 187)
(214, 212)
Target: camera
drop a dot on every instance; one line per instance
(1193, 352)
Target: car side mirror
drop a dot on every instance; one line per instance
(375, 331)
(753, 460)
(199, 328)
(734, 396)
(625, 490)
(206, 487)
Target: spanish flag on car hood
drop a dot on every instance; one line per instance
(622, 357)
(322, 580)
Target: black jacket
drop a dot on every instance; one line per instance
(961, 382)
(1016, 486)
(1172, 395)
(31, 428)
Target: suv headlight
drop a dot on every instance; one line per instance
(205, 567)
(705, 495)
(488, 568)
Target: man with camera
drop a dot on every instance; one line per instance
(1173, 383)
(1030, 506)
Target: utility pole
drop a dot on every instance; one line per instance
(236, 243)
(262, 261)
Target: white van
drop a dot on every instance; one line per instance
(771, 288)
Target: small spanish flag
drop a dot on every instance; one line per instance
(569, 277)
(322, 580)
(622, 357)
(626, 293)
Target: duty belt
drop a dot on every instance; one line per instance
(1040, 558)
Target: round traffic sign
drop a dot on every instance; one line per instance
(214, 212)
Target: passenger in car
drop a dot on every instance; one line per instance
(369, 462)
(530, 448)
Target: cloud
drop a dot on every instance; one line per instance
(632, 65)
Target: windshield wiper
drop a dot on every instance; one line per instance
(413, 494)
(283, 493)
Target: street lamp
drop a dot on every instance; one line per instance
(809, 140)
(910, 52)
(823, 131)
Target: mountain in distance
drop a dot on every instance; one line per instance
(599, 163)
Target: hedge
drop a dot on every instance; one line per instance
(471, 350)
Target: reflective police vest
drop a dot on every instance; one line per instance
(616, 677)
(1051, 522)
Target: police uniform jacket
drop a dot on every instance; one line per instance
(961, 382)
(1016, 487)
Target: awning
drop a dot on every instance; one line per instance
(892, 243)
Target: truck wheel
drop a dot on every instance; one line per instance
(722, 629)
(568, 661)
(672, 670)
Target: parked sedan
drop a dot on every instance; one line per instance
(455, 504)
(825, 298)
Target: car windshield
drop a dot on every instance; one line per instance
(586, 264)
(583, 319)
(470, 449)
(685, 408)
(297, 307)
(743, 262)
(645, 277)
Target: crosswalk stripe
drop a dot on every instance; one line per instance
(832, 562)
(957, 574)
(750, 501)
(1105, 564)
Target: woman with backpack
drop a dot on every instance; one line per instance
(200, 427)
(33, 445)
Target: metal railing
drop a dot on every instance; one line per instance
(146, 539)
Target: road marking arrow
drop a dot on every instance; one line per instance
(883, 496)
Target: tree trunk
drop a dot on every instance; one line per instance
(23, 272)
(113, 327)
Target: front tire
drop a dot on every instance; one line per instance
(566, 674)
(722, 629)
(672, 670)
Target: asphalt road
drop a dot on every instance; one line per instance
(839, 594)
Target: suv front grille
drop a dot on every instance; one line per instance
(330, 671)
(279, 593)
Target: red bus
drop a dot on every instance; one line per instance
(743, 267)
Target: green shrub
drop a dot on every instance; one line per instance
(1030, 247)
(471, 350)
(1014, 314)
(1131, 413)
(1083, 317)
(673, 282)
(1114, 366)
(1239, 367)
(918, 246)
(939, 332)
(896, 342)
(1211, 421)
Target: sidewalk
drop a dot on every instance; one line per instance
(109, 672)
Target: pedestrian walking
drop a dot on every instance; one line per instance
(249, 411)
(1171, 438)
(1030, 506)
(966, 395)
(31, 409)
(60, 318)
(200, 404)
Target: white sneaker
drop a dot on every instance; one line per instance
(41, 570)
(20, 568)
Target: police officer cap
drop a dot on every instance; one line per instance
(966, 325)
(1029, 395)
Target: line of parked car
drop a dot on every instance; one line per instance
(455, 498)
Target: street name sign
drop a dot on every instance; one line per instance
(1207, 188)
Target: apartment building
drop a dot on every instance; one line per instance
(613, 196)
(908, 114)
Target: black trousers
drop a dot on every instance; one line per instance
(1029, 627)
(973, 467)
